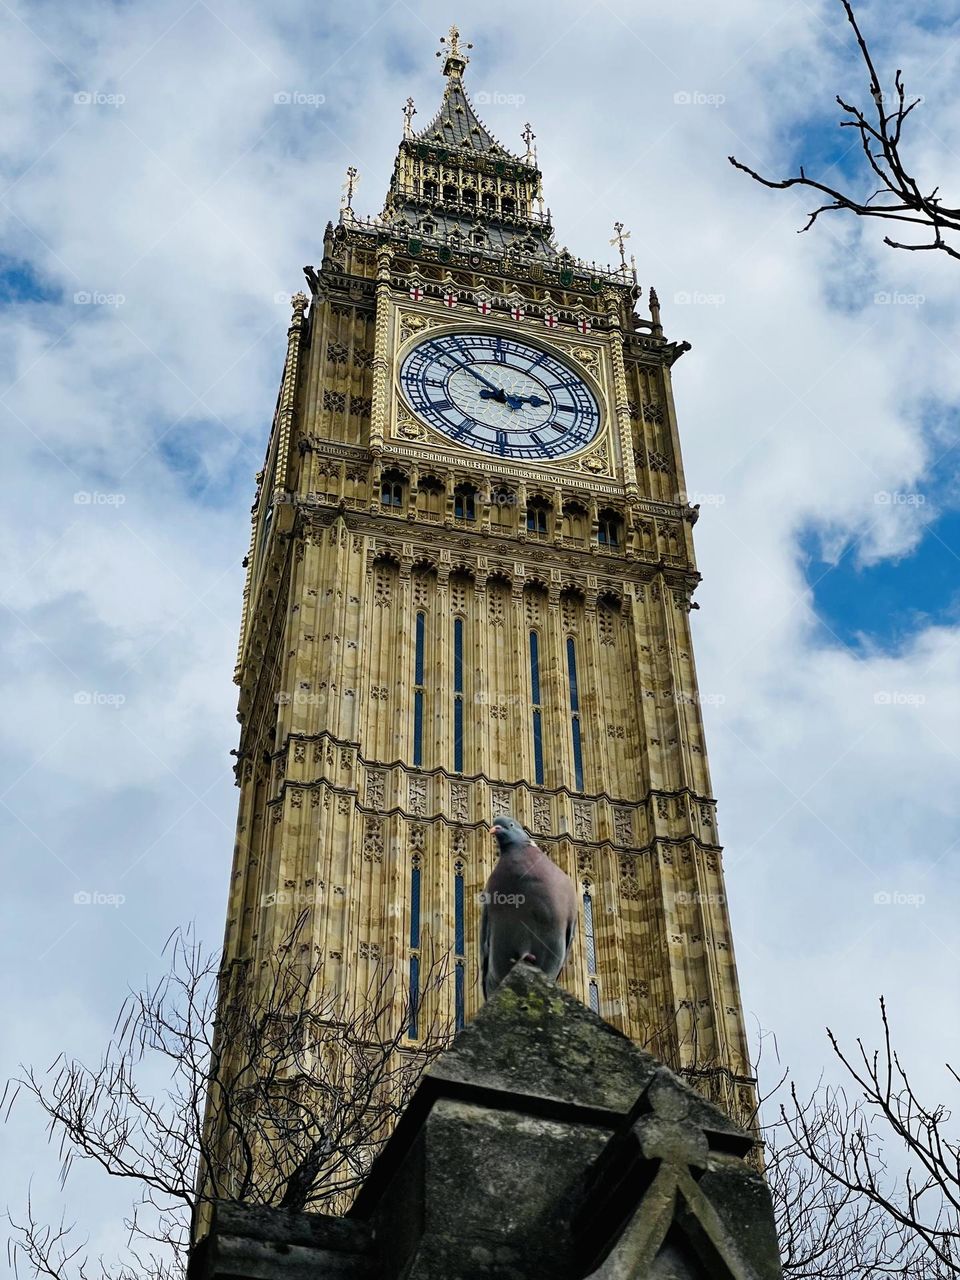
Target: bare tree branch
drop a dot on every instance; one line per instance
(880, 140)
(848, 1150)
(278, 1092)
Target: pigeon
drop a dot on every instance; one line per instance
(529, 909)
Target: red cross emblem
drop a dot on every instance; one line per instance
(450, 299)
(517, 313)
(483, 306)
(583, 324)
(550, 320)
(416, 293)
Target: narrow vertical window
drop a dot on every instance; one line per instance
(418, 692)
(594, 997)
(458, 992)
(458, 695)
(415, 904)
(458, 933)
(413, 1009)
(458, 944)
(575, 713)
(537, 710)
(413, 1006)
(589, 939)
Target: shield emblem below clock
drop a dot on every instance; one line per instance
(596, 285)
(566, 276)
(414, 248)
(475, 260)
(444, 254)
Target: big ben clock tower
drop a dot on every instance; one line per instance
(468, 592)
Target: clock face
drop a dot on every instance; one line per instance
(499, 395)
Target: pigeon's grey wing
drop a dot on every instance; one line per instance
(484, 949)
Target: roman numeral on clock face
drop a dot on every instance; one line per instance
(510, 398)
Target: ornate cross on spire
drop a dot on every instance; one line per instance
(409, 111)
(619, 239)
(528, 136)
(456, 58)
(348, 188)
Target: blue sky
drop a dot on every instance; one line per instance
(135, 418)
(882, 605)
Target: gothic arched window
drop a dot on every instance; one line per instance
(418, 689)
(576, 523)
(537, 517)
(609, 529)
(537, 708)
(391, 490)
(458, 943)
(589, 937)
(413, 995)
(575, 712)
(430, 498)
(458, 695)
(465, 502)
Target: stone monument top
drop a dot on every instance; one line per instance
(543, 1144)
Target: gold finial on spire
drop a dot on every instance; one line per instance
(620, 237)
(528, 136)
(349, 187)
(456, 58)
(409, 111)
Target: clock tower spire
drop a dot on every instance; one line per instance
(469, 591)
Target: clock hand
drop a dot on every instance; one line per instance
(499, 395)
(516, 402)
(480, 378)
